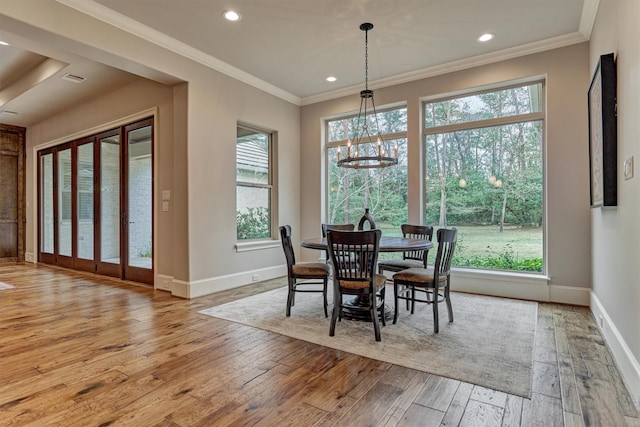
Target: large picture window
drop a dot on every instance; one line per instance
(254, 183)
(484, 175)
(383, 191)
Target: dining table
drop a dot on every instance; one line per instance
(387, 244)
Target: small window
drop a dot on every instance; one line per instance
(254, 183)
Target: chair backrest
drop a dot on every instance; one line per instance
(354, 254)
(340, 227)
(446, 245)
(423, 232)
(285, 236)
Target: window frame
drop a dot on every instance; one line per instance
(485, 123)
(263, 242)
(343, 142)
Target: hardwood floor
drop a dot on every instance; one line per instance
(78, 350)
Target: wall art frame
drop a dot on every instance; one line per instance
(603, 151)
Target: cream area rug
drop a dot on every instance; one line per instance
(489, 343)
(4, 286)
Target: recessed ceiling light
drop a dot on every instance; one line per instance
(331, 79)
(4, 43)
(486, 37)
(231, 15)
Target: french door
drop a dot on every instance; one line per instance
(96, 203)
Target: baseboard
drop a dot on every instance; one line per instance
(198, 288)
(29, 257)
(163, 282)
(628, 364)
(573, 295)
(534, 287)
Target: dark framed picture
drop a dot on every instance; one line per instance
(603, 152)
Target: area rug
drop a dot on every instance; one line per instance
(490, 343)
(4, 286)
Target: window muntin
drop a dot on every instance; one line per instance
(383, 191)
(484, 175)
(254, 183)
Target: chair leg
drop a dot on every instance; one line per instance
(290, 299)
(382, 296)
(324, 296)
(337, 310)
(448, 301)
(413, 298)
(395, 302)
(374, 316)
(435, 313)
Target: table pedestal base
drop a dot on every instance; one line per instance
(352, 310)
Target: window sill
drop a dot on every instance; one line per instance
(257, 245)
(502, 275)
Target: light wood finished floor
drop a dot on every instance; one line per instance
(77, 350)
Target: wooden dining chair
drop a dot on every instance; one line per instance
(339, 227)
(410, 259)
(301, 275)
(434, 282)
(353, 256)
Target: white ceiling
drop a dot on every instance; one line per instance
(289, 47)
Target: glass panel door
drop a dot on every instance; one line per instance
(139, 249)
(64, 196)
(84, 215)
(109, 201)
(47, 221)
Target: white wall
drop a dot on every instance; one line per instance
(567, 161)
(616, 231)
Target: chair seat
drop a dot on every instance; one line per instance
(356, 284)
(311, 269)
(419, 276)
(399, 264)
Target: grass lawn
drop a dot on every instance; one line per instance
(486, 241)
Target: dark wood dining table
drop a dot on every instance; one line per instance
(387, 244)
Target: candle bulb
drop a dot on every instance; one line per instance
(379, 147)
(349, 149)
(395, 151)
(339, 153)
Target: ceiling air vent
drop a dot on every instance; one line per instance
(73, 78)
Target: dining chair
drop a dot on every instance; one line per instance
(339, 227)
(301, 275)
(410, 259)
(434, 282)
(353, 256)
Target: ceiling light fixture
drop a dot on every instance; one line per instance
(4, 43)
(486, 37)
(363, 152)
(231, 15)
(331, 79)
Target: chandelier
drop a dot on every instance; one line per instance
(363, 150)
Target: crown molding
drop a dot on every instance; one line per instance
(463, 64)
(588, 18)
(115, 19)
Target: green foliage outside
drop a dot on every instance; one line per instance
(253, 223)
(484, 179)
